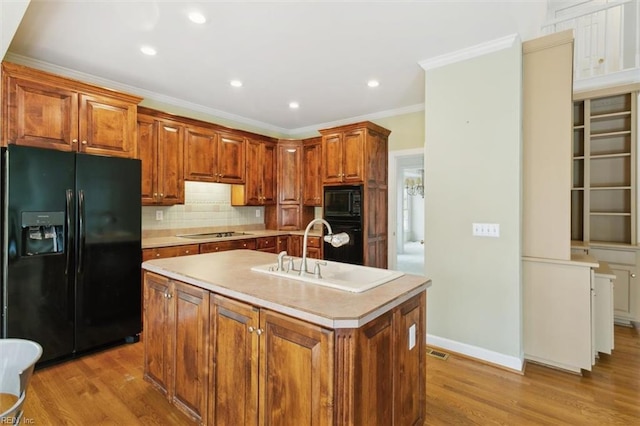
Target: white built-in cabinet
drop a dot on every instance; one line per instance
(604, 212)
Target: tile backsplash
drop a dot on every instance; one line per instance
(205, 205)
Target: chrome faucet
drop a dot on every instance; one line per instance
(335, 240)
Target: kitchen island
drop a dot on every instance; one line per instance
(228, 345)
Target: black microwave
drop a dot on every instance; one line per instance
(342, 202)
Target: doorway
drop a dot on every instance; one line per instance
(406, 211)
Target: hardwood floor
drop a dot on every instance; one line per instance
(107, 389)
(460, 391)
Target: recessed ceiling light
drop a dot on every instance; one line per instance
(197, 18)
(373, 83)
(236, 83)
(148, 50)
(294, 105)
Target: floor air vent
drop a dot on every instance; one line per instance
(437, 354)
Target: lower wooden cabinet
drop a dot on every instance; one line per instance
(170, 251)
(314, 246)
(176, 318)
(227, 362)
(267, 244)
(248, 244)
(268, 368)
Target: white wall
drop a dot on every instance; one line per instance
(11, 13)
(472, 174)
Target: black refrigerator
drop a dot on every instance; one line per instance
(71, 250)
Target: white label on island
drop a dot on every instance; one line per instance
(412, 336)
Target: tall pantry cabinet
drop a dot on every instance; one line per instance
(357, 154)
(604, 188)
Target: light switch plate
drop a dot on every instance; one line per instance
(486, 230)
(159, 215)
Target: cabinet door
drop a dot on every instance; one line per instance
(253, 180)
(107, 126)
(157, 335)
(332, 158)
(170, 163)
(353, 157)
(296, 372)
(622, 300)
(148, 155)
(289, 158)
(190, 350)
(269, 177)
(200, 154)
(40, 115)
(311, 160)
(295, 245)
(283, 244)
(231, 158)
(234, 363)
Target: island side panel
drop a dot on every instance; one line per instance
(379, 380)
(410, 362)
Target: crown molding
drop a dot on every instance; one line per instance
(367, 117)
(181, 103)
(146, 94)
(470, 52)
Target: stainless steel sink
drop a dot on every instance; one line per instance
(338, 275)
(224, 234)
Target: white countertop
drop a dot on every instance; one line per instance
(229, 274)
(173, 240)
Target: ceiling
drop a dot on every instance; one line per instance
(320, 54)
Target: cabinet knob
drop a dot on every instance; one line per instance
(74, 141)
(633, 275)
(84, 142)
(259, 331)
(157, 254)
(186, 251)
(251, 329)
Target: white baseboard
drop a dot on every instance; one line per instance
(491, 357)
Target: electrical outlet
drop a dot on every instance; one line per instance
(159, 215)
(257, 212)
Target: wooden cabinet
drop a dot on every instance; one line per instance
(48, 111)
(314, 246)
(343, 156)
(212, 155)
(357, 154)
(282, 243)
(261, 182)
(176, 318)
(247, 244)
(603, 193)
(255, 366)
(267, 244)
(311, 166)
(289, 213)
(268, 368)
(160, 149)
(170, 251)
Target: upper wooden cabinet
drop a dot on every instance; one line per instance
(347, 152)
(260, 186)
(48, 111)
(160, 149)
(311, 164)
(214, 156)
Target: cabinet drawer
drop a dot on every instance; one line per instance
(249, 244)
(623, 257)
(172, 251)
(313, 242)
(265, 243)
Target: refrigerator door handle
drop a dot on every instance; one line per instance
(69, 249)
(81, 230)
